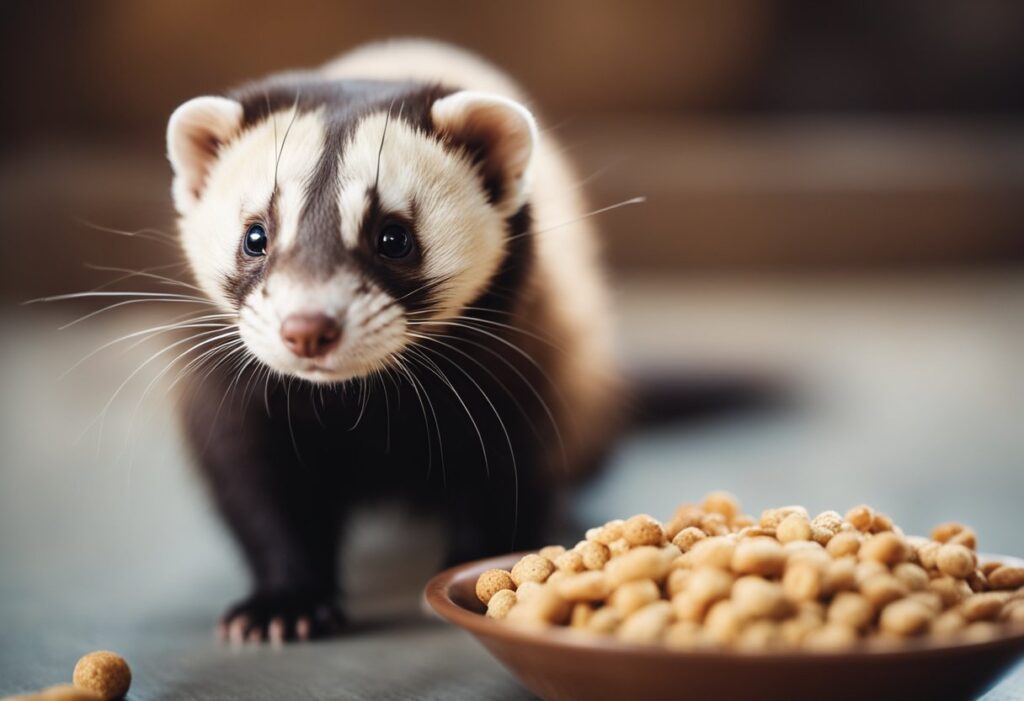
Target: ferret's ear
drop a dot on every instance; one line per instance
(499, 133)
(195, 132)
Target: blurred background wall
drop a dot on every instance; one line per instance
(767, 135)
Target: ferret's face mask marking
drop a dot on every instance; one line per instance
(331, 237)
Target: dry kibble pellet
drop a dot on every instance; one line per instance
(491, 582)
(1006, 577)
(955, 560)
(585, 586)
(905, 617)
(722, 503)
(796, 526)
(531, 568)
(885, 547)
(595, 555)
(647, 624)
(643, 530)
(714, 577)
(500, 603)
(688, 537)
(632, 595)
(851, 610)
(761, 556)
(104, 673)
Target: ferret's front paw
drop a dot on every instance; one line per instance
(278, 617)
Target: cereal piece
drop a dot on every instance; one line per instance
(633, 595)
(544, 606)
(967, 538)
(531, 568)
(686, 538)
(882, 589)
(104, 673)
(771, 518)
(761, 556)
(983, 607)
(809, 553)
(500, 603)
(829, 638)
(793, 631)
(913, 576)
(1006, 577)
(585, 586)
(678, 579)
(949, 589)
(842, 544)
(929, 599)
(605, 620)
(595, 555)
(557, 576)
(1013, 613)
(646, 625)
(955, 560)
(491, 582)
(948, 623)
(714, 524)
(618, 547)
(722, 503)
(608, 533)
(759, 636)
(581, 615)
(570, 561)
(987, 568)
(713, 552)
(686, 515)
(885, 547)
(527, 589)
(708, 585)
(944, 531)
(928, 553)
(851, 610)
(881, 523)
(905, 617)
(755, 532)
(743, 521)
(861, 517)
(643, 530)
(644, 562)
(839, 576)
(551, 552)
(980, 632)
(867, 569)
(828, 520)
(754, 597)
(802, 581)
(793, 527)
(977, 581)
(723, 623)
(686, 635)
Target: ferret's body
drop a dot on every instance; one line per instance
(473, 371)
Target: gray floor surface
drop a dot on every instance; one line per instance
(909, 398)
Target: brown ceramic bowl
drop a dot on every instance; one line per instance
(560, 666)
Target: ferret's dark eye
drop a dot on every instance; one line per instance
(394, 242)
(255, 241)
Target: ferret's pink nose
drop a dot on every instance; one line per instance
(310, 335)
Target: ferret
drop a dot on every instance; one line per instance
(405, 259)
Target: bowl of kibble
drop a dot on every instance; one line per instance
(714, 604)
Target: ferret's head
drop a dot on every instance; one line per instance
(334, 218)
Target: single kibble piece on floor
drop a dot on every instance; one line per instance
(491, 582)
(104, 673)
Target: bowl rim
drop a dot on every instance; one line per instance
(437, 593)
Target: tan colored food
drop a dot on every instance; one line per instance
(712, 576)
(491, 582)
(104, 673)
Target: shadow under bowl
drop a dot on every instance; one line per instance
(559, 665)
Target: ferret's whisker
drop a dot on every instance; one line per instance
(588, 215)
